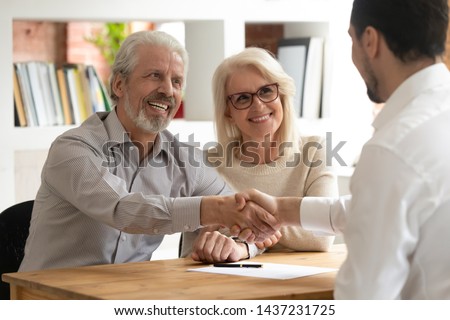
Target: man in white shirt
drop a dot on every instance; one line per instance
(396, 224)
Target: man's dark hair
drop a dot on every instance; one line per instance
(411, 28)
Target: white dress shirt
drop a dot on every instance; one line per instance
(397, 223)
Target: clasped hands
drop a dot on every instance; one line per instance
(262, 218)
(250, 215)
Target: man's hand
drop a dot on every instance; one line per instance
(227, 211)
(285, 210)
(212, 246)
(249, 197)
(266, 201)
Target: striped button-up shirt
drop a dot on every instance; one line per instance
(98, 203)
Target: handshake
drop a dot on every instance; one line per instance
(251, 215)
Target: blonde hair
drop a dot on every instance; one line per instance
(272, 71)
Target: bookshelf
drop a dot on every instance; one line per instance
(213, 31)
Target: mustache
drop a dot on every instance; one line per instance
(161, 98)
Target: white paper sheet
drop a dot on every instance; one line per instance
(268, 271)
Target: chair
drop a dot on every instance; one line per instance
(14, 229)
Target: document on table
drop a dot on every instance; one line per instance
(268, 271)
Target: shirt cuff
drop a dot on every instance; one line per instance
(253, 250)
(315, 215)
(186, 214)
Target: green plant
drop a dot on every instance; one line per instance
(109, 39)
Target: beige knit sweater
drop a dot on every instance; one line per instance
(281, 178)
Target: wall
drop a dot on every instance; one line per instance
(39, 41)
(264, 36)
(81, 51)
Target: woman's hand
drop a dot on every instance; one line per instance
(269, 242)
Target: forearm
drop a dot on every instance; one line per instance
(212, 210)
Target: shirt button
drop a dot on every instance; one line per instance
(186, 227)
(155, 230)
(124, 238)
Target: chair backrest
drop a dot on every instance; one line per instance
(14, 229)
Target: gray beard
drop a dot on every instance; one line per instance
(153, 125)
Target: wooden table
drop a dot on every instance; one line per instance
(169, 279)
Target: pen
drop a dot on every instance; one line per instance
(237, 265)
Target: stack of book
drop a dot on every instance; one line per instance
(48, 96)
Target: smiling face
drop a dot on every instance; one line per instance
(261, 118)
(151, 95)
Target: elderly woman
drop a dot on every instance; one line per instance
(254, 118)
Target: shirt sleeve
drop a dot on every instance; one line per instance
(320, 181)
(253, 250)
(77, 174)
(324, 216)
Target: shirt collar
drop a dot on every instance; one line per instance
(412, 87)
(162, 142)
(115, 129)
(118, 135)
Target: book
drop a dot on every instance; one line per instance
(18, 103)
(16, 116)
(37, 93)
(79, 91)
(45, 95)
(65, 99)
(55, 94)
(302, 59)
(96, 94)
(70, 76)
(25, 89)
(105, 94)
(84, 93)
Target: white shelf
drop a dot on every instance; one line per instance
(35, 138)
(214, 30)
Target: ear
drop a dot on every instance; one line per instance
(371, 41)
(118, 85)
(228, 114)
